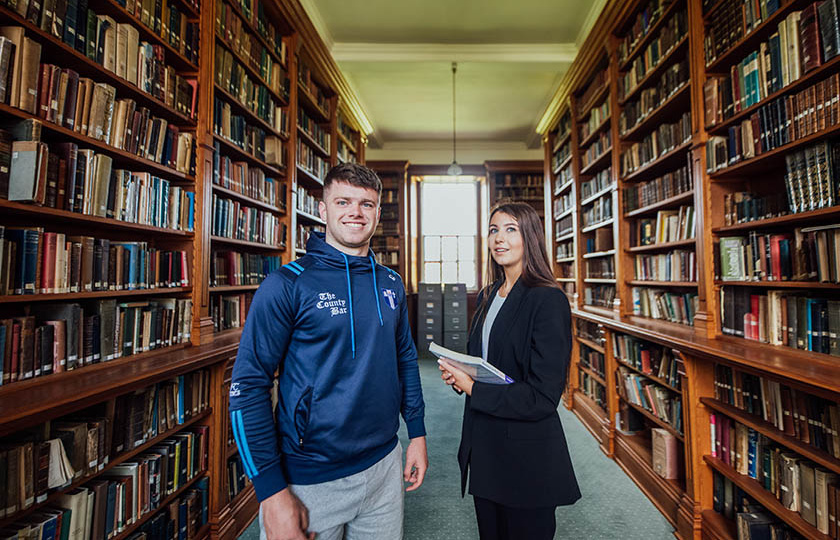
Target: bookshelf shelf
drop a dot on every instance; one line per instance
(300, 251)
(598, 225)
(245, 243)
(564, 213)
(253, 30)
(309, 177)
(232, 288)
(750, 41)
(654, 378)
(669, 159)
(605, 123)
(563, 164)
(241, 154)
(565, 260)
(664, 246)
(121, 458)
(648, 37)
(596, 196)
(58, 297)
(596, 411)
(599, 280)
(121, 157)
(670, 202)
(309, 217)
(650, 283)
(591, 344)
(312, 143)
(351, 146)
(565, 280)
(252, 71)
(320, 115)
(597, 98)
(598, 163)
(655, 419)
(656, 71)
(769, 430)
(720, 527)
(595, 255)
(55, 48)
(241, 108)
(564, 187)
(561, 141)
(781, 221)
(779, 284)
(640, 448)
(766, 499)
(56, 216)
(247, 200)
(592, 373)
(676, 102)
(804, 81)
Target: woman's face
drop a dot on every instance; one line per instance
(505, 240)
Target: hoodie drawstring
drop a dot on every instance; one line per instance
(376, 290)
(350, 299)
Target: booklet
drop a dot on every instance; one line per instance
(477, 368)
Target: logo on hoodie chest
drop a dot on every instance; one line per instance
(329, 301)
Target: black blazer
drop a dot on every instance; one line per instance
(512, 441)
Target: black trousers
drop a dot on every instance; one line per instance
(498, 522)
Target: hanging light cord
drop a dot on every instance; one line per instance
(454, 69)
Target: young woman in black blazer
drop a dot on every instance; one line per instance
(512, 441)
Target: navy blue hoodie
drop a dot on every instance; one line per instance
(336, 328)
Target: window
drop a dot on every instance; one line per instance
(449, 229)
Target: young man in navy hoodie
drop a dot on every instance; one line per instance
(333, 325)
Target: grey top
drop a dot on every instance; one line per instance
(492, 311)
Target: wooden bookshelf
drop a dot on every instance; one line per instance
(560, 176)
(390, 242)
(522, 181)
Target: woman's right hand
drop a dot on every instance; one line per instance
(447, 377)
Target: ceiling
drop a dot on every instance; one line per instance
(397, 56)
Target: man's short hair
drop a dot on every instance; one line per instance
(355, 175)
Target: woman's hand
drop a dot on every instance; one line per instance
(455, 377)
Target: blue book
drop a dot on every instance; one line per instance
(132, 265)
(204, 490)
(182, 520)
(110, 508)
(809, 309)
(190, 210)
(181, 390)
(752, 450)
(81, 26)
(70, 22)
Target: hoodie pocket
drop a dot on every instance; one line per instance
(302, 410)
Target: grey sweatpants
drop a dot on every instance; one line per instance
(365, 506)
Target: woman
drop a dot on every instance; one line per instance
(512, 440)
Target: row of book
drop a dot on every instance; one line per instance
(776, 124)
(599, 211)
(599, 182)
(167, 20)
(651, 98)
(596, 149)
(344, 153)
(811, 419)
(601, 241)
(600, 268)
(561, 155)
(85, 182)
(781, 318)
(667, 226)
(345, 129)
(34, 261)
(387, 258)
(659, 189)
(599, 295)
(644, 20)
(658, 142)
(519, 180)
(808, 254)
(253, 140)
(229, 310)
(812, 177)
(776, 64)
(563, 202)
(596, 85)
(229, 28)
(232, 268)
(307, 83)
(237, 479)
(306, 201)
(675, 265)
(671, 34)
(564, 226)
(311, 161)
(800, 485)
(597, 116)
(665, 305)
(232, 77)
(303, 230)
(232, 219)
(658, 400)
(564, 128)
(592, 389)
(752, 521)
(649, 358)
(520, 193)
(311, 127)
(62, 337)
(564, 250)
(593, 360)
(732, 20)
(745, 206)
(250, 181)
(592, 331)
(254, 13)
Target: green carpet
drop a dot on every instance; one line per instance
(612, 506)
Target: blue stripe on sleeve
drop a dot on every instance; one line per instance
(241, 441)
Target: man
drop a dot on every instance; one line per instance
(334, 325)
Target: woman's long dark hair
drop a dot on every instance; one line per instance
(536, 270)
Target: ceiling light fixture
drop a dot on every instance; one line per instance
(454, 169)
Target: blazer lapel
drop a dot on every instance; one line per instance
(506, 316)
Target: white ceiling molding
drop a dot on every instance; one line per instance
(318, 22)
(594, 12)
(436, 152)
(436, 52)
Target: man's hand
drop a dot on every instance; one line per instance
(285, 517)
(416, 463)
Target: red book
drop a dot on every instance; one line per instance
(15, 351)
(775, 254)
(44, 91)
(809, 35)
(48, 263)
(185, 278)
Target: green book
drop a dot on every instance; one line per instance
(732, 258)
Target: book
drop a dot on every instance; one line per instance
(477, 368)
